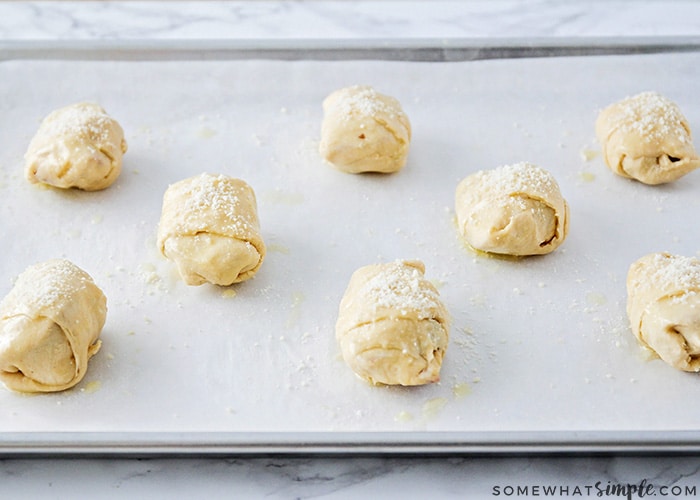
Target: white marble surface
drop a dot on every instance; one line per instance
(345, 19)
(338, 477)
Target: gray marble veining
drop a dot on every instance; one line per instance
(285, 478)
(329, 19)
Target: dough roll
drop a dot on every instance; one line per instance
(663, 306)
(50, 324)
(392, 327)
(512, 210)
(647, 138)
(364, 131)
(209, 227)
(78, 146)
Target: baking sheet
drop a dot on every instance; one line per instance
(540, 350)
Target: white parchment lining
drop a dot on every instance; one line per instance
(537, 344)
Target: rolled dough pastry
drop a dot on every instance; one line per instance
(364, 131)
(77, 146)
(512, 210)
(647, 138)
(209, 227)
(49, 327)
(392, 327)
(663, 306)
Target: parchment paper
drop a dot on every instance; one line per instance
(537, 344)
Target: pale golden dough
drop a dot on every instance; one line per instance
(663, 306)
(364, 131)
(647, 138)
(512, 210)
(209, 227)
(392, 327)
(50, 324)
(78, 146)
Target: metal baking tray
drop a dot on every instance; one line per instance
(540, 357)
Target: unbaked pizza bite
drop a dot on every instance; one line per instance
(209, 228)
(78, 146)
(50, 324)
(647, 138)
(364, 131)
(392, 327)
(663, 306)
(512, 210)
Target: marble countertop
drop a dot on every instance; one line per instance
(349, 477)
(85, 20)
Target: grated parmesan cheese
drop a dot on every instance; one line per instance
(364, 100)
(653, 117)
(60, 279)
(215, 193)
(519, 177)
(86, 120)
(676, 272)
(402, 287)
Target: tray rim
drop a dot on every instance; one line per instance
(328, 443)
(398, 49)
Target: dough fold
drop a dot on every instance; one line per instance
(50, 324)
(663, 306)
(209, 227)
(392, 327)
(78, 146)
(364, 131)
(512, 210)
(647, 138)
